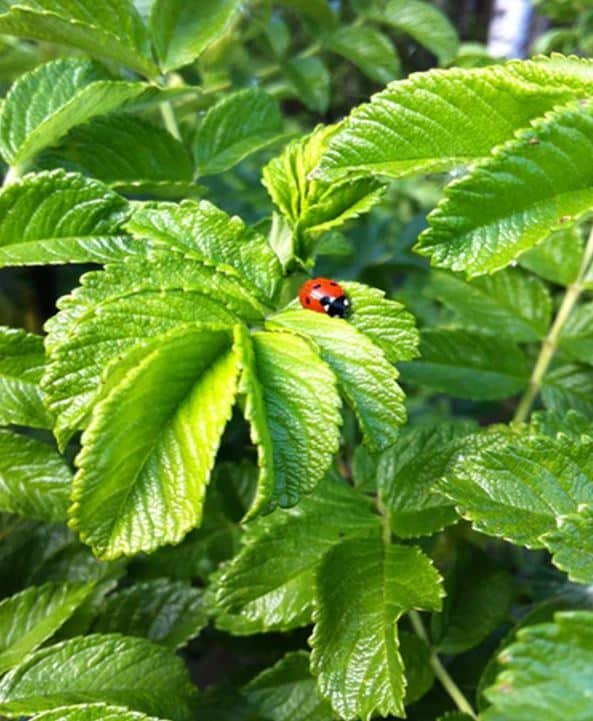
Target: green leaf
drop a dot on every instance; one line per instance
(58, 217)
(123, 307)
(386, 322)
(438, 120)
(542, 179)
(166, 612)
(415, 654)
(92, 712)
(363, 588)
(369, 48)
(292, 406)
(571, 544)
(317, 10)
(312, 206)
(204, 232)
(407, 474)
(269, 581)
(425, 23)
(546, 672)
(569, 387)
(311, 81)
(509, 304)
(142, 477)
(238, 125)
(576, 339)
(557, 258)
(34, 480)
(468, 365)
(365, 377)
(22, 360)
(472, 611)
(126, 153)
(287, 690)
(111, 29)
(34, 615)
(111, 668)
(519, 488)
(182, 29)
(551, 423)
(43, 105)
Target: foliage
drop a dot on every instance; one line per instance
(204, 484)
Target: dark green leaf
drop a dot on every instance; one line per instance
(367, 47)
(235, 127)
(22, 360)
(113, 669)
(310, 79)
(363, 589)
(166, 612)
(182, 29)
(34, 480)
(468, 365)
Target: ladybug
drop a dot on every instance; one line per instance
(324, 296)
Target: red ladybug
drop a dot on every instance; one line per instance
(324, 296)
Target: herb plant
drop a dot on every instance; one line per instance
(217, 504)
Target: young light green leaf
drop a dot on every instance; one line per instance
(571, 544)
(126, 305)
(457, 116)
(313, 206)
(471, 612)
(203, 231)
(34, 480)
(386, 322)
(311, 82)
(238, 125)
(182, 29)
(287, 690)
(543, 180)
(545, 672)
(22, 361)
(142, 477)
(369, 48)
(92, 712)
(363, 587)
(365, 377)
(407, 474)
(166, 612)
(518, 489)
(111, 29)
(32, 616)
(58, 217)
(424, 22)
(557, 258)
(269, 581)
(292, 406)
(509, 304)
(43, 105)
(113, 669)
(468, 365)
(126, 153)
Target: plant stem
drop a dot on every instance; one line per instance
(169, 119)
(12, 175)
(550, 343)
(439, 670)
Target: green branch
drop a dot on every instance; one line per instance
(439, 670)
(550, 343)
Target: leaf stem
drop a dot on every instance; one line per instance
(12, 175)
(550, 342)
(439, 670)
(169, 118)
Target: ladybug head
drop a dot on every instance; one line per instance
(336, 307)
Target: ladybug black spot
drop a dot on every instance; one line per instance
(317, 285)
(308, 301)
